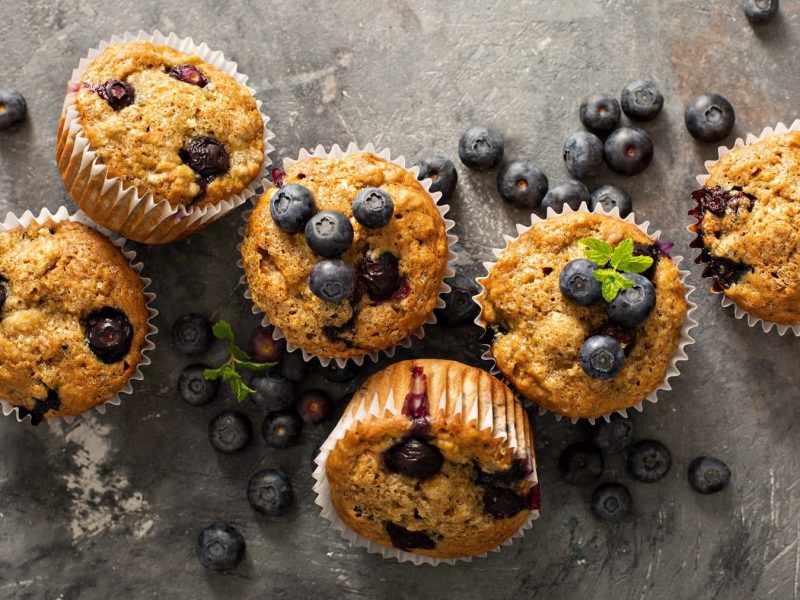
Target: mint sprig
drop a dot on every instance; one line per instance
(613, 263)
(237, 359)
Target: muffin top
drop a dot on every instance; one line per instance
(73, 319)
(405, 259)
(431, 475)
(539, 332)
(170, 124)
(749, 227)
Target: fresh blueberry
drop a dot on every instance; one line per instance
(583, 154)
(269, 491)
(194, 388)
(230, 431)
(414, 458)
(337, 374)
(567, 193)
(601, 357)
(522, 183)
(610, 196)
(332, 280)
(600, 113)
(109, 334)
(313, 406)
(206, 157)
(648, 461)
(293, 367)
(480, 148)
(641, 100)
(581, 463)
(118, 94)
(441, 171)
(578, 284)
(459, 307)
(291, 207)
(272, 391)
(220, 547)
(379, 277)
(262, 347)
(708, 475)
(405, 539)
(628, 150)
(632, 306)
(760, 11)
(611, 503)
(191, 334)
(329, 233)
(709, 117)
(613, 436)
(13, 109)
(188, 74)
(502, 502)
(373, 208)
(281, 429)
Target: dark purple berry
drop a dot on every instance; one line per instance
(269, 491)
(405, 539)
(441, 171)
(708, 475)
(332, 280)
(719, 201)
(379, 277)
(567, 193)
(626, 336)
(581, 463)
(608, 197)
(263, 348)
(230, 431)
(628, 150)
(522, 183)
(480, 148)
(709, 118)
(615, 435)
(414, 458)
(648, 461)
(278, 176)
(3, 294)
(191, 334)
(578, 283)
(293, 367)
(333, 372)
(272, 392)
(611, 503)
(632, 306)
(583, 154)
(373, 208)
(220, 547)
(188, 74)
(118, 94)
(109, 334)
(313, 406)
(760, 11)
(600, 113)
(329, 233)
(291, 207)
(641, 100)
(206, 157)
(13, 109)
(654, 251)
(281, 429)
(601, 357)
(502, 502)
(459, 305)
(194, 388)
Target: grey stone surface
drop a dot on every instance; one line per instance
(110, 507)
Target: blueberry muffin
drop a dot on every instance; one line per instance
(556, 336)
(748, 227)
(73, 319)
(434, 458)
(347, 257)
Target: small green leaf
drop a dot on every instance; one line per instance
(636, 264)
(237, 352)
(612, 283)
(254, 366)
(597, 251)
(240, 389)
(222, 330)
(212, 374)
(610, 290)
(622, 252)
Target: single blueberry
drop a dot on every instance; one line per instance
(581, 463)
(13, 109)
(220, 547)
(626, 336)
(641, 100)
(610, 196)
(441, 171)
(3, 293)
(293, 367)
(263, 347)
(379, 277)
(230, 431)
(291, 207)
(206, 157)
(329, 233)
(583, 154)
(502, 502)
(709, 117)
(611, 503)
(522, 183)
(708, 475)
(313, 406)
(600, 113)
(118, 94)
(194, 388)
(613, 436)
(480, 148)
(633, 305)
(269, 491)
(337, 374)
(109, 334)
(281, 429)
(272, 391)
(601, 357)
(405, 539)
(459, 307)
(188, 74)
(332, 280)
(191, 334)
(414, 458)
(373, 208)
(628, 150)
(578, 283)
(567, 193)
(648, 461)
(760, 11)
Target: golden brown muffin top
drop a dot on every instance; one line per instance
(141, 143)
(56, 278)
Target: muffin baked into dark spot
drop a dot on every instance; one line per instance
(109, 334)
(52, 401)
(405, 539)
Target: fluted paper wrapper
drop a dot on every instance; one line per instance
(738, 311)
(514, 430)
(689, 323)
(337, 152)
(107, 200)
(10, 222)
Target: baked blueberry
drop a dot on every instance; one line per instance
(293, 367)
(648, 461)
(188, 74)
(570, 193)
(709, 117)
(708, 475)
(13, 109)
(441, 171)
(272, 391)
(118, 94)
(220, 547)
(263, 347)
(329, 233)
(280, 429)
(581, 463)
(613, 436)
(3, 294)
(601, 357)
(194, 388)
(373, 208)
(502, 502)
(480, 148)
(641, 100)
(632, 306)
(405, 539)
(332, 280)
(628, 150)
(337, 374)
(291, 207)
(600, 113)
(610, 196)
(415, 458)
(522, 183)
(313, 406)
(206, 157)
(459, 307)
(578, 284)
(191, 334)
(109, 334)
(611, 503)
(230, 431)
(760, 11)
(654, 251)
(379, 277)
(583, 154)
(269, 491)
(626, 336)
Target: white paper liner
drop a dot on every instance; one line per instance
(11, 221)
(87, 181)
(689, 323)
(739, 312)
(394, 406)
(337, 152)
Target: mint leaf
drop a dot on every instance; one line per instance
(222, 330)
(636, 264)
(212, 374)
(254, 366)
(240, 388)
(622, 252)
(612, 283)
(597, 251)
(237, 352)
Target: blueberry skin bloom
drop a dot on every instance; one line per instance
(708, 475)
(291, 207)
(709, 117)
(760, 11)
(600, 113)
(610, 196)
(13, 109)
(373, 208)
(220, 547)
(632, 306)
(611, 503)
(522, 183)
(480, 148)
(583, 154)
(332, 280)
(570, 193)
(441, 171)
(641, 100)
(578, 283)
(329, 233)
(628, 151)
(601, 357)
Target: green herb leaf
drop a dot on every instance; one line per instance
(240, 388)
(597, 251)
(254, 366)
(622, 252)
(237, 352)
(222, 330)
(636, 264)
(612, 283)
(212, 374)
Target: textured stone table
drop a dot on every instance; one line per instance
(111, 507)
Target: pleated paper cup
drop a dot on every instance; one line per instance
(444, 288)
(689, 323)
(463, 401)
(10, 222)
(119, 207)
(738, 311)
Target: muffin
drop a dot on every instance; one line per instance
(748, 227)
(347, 257)
(73, 319)
(432, 458)
(583, 357)
(182, 138)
